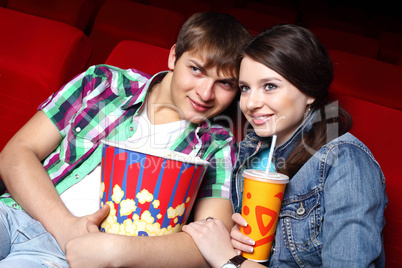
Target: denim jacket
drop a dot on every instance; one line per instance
(332, 212)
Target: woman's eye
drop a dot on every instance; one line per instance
(269, 87)
(244, 88)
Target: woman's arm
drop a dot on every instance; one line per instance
(215, 242)
(354, 200)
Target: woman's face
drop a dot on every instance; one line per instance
(270, 103)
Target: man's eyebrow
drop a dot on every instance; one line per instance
(199, 66)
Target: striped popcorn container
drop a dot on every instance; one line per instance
(149, 193)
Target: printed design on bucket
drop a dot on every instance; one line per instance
(148, 195)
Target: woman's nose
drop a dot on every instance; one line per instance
(255, 100)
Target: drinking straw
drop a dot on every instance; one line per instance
(271, 152)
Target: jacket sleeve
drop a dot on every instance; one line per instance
(354, 203)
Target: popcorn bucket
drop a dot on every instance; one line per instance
(149, 193)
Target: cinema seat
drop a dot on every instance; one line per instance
(367, 79)
(349, 42)
(184, 7)
(74, 12)
(333, 23)
(37, 56)
(256, 21)
(390, 47)
(144, 57)
(119, 20)
(288, 13)
(379, 128)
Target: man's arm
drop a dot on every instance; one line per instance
(175, 250)
(28, 182)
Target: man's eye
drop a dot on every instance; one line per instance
(195, 69)
(227, 84)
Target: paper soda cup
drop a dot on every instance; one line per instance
(149, 193)
(262, 199)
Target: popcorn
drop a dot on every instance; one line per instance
(117, 194)
(127, 206)
(144, 196)
(156, 203)
(174, 212)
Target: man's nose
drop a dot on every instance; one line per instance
(206, 90)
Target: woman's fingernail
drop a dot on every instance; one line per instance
(251, 249)
(252, 242)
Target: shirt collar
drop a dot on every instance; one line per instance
(139, 100)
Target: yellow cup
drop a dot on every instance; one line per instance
(262, 199)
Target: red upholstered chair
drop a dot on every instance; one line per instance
(333, 23)
(144, 57)
(74, 12)
(367, 79)
(256, 21)
(37, 56)
(120, 20)
(349, 42)
(380, 128)
(390, 47)
(287, 13)
(184, 7)
(3, 3)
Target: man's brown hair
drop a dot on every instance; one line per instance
(216, 37)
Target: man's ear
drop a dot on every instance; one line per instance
(172, 57)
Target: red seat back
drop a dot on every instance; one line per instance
(256, 21)
(368, 79)
(349, 42)
(147, 58)
(74, 12)
(37, 56)
(380, 129)
(120, 20)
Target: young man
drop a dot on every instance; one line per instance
(51, 167)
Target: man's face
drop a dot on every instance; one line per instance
(198, 92)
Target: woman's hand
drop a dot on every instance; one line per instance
(212, 239)
(240, 241)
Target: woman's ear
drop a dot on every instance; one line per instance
(310, 100)
(172, 57)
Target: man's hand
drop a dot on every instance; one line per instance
(77, 226)
(93, 249)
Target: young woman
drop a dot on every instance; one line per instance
(332, 212)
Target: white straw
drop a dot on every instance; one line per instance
(271, 152)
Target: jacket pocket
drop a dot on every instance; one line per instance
(300, 221)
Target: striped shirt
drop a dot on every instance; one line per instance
(102, 104)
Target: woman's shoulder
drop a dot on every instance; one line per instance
(347, 148)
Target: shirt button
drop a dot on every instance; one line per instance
(131, 129)
(77, 129)
(77, 176)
